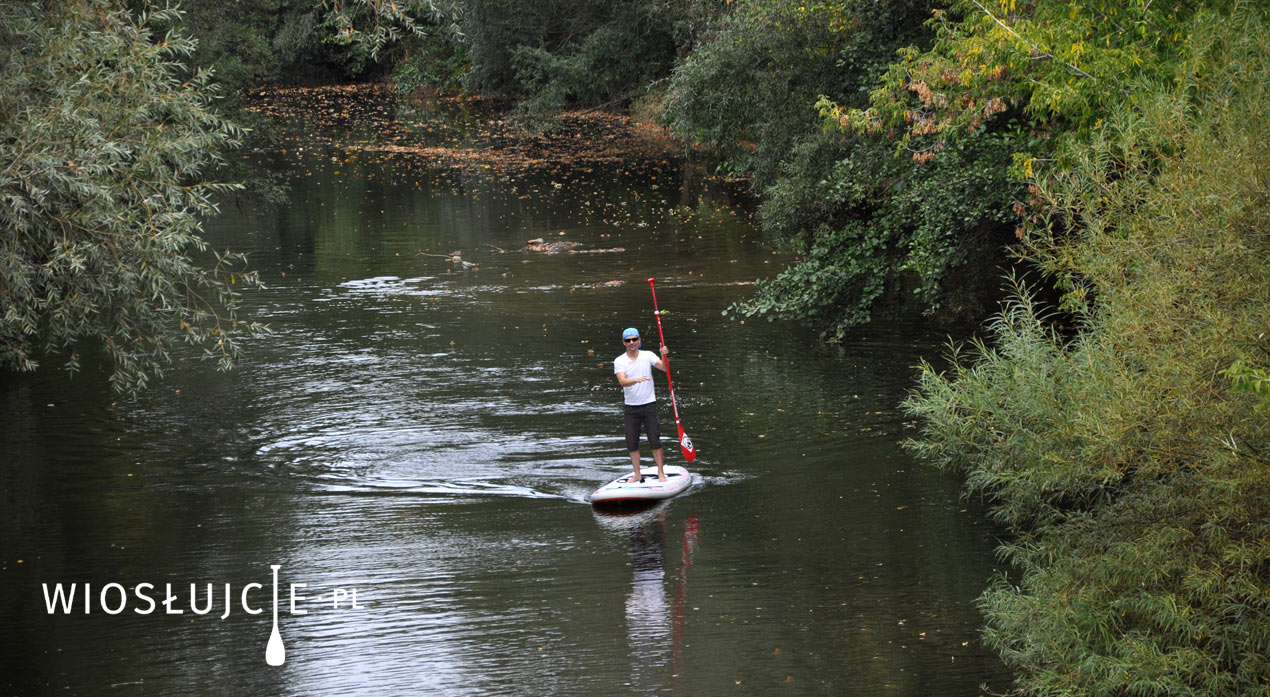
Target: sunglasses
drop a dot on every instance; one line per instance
(630, 340)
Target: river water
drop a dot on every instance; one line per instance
(425, 435)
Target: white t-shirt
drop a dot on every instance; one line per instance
(642, 365)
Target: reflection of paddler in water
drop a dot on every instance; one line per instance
(655, 625)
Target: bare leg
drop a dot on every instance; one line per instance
(661, 465)
(635, 466)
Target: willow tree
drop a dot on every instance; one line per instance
(106, 156)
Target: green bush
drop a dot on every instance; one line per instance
(612, 63)
(866, 226)
(432, 61)
(748, 90)
(1134, 478)
(247, 44)
(551, 53)
(869, 229)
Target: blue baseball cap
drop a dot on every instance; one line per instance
(629, 332)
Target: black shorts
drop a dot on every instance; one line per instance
(645, 414)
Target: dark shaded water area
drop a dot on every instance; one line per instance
(427, 434)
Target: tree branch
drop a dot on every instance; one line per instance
(1036, 51)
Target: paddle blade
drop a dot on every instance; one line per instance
(275, 652)
(685, 444)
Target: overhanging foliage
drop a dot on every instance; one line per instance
(105, 159)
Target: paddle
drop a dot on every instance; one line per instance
(275, 652)
(685, 443)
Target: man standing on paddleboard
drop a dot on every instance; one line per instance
(634, 371)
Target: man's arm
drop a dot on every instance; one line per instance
(659, 363)
(627, 382)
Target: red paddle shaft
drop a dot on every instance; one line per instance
(685, 443)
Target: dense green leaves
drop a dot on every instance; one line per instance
(431, 63)
(867, 226)
(1066, 64)
(1135, 479)
(106, 158)
(1256, 381)
(868, 229)
(626, 47)
(552, 54)
(264, 40)
(748, 89)
(548, 54)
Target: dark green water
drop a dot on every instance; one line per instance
(429, 437)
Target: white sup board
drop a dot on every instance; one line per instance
(649, 488)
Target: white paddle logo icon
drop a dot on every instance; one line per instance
(275, 652)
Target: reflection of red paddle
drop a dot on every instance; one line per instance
(685, 443)
(679, 621)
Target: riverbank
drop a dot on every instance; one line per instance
(371, 117)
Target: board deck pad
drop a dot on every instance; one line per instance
(648, 488)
